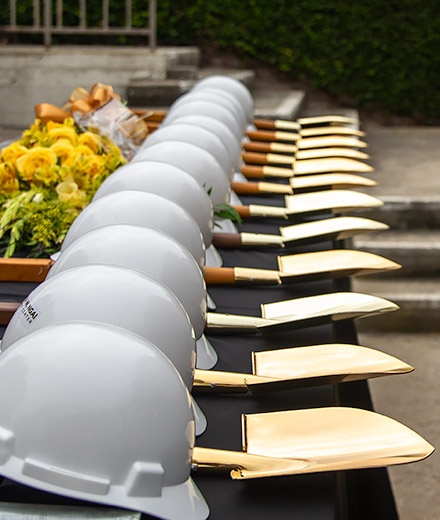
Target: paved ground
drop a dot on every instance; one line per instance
(407, 162)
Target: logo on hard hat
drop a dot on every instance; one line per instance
(28, 312)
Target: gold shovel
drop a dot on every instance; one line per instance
(315, 440)
(300, 313)
(303, 267)
(310, 153)
(336, 228)
(336, 201)
(285, 369)
(303, 122)
(279, 139)
(305, 127)
(303, 167)
(304, 182)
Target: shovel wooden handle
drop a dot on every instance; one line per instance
(24, 269)
(7, 310)
(241, 275)
(243, 211)
(266, 135)
(271, 124)
(255, 158)
(246, 188)
(219, 275)
(264, 147)
(227, 240)
(267, 158)
(260, 172)
(254, 188)
(237, 240)
(156, 116)
(255, 210)
(253, 172)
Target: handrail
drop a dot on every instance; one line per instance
(47, 28)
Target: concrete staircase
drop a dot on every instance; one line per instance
(414, 242)
(183, 71)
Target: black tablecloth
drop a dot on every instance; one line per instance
(355, 495)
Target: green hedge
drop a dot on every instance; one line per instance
(377, 54)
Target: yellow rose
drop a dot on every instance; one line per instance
(83, 149)
(36, 134)
(94, 165)
(63, 149)
(12, 152)
(47, 176)
(8, 180)
(35, 158)
(63, 132)
(69, 191)
(93, 141)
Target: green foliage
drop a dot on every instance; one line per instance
(34, 223)
(227, 212)
(377, 54)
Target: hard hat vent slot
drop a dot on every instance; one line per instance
(64, 478)
(145, 479)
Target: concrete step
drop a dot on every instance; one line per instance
(418, 299)
(156, 94)
(281, 103)
(408, 212)
(418, 251)
(183, 72)
(181, 55)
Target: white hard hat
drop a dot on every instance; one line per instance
(97, 413)
(195, 135)
(215, 126)
(149, 252)
(231, 85)
(204, 108)
(142, 209)
(211, 95)
(168, 181)
(199, 163)
(110, 295)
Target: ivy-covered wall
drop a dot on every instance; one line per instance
(379, 54)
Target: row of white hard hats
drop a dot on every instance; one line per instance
(100, 357)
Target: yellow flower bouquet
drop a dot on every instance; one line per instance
(46, 178)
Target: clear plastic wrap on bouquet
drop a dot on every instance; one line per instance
(119, 123)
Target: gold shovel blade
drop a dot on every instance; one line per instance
(331, 264)
(330, 119)
(330, 140)
(332, 439)
(333, 130)
(316, 153)
(336, 180)
(330, 200)
(323, 364)
(336, 228)
(325, 308)
(330, 164)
